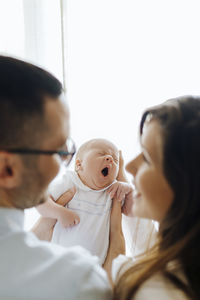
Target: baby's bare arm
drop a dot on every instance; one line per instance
(43, 228)
(50, 209)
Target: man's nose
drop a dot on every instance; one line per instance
(108, 158)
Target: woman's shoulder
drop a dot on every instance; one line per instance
(158, 287)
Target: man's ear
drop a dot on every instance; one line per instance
(10, 170)
(78, 165)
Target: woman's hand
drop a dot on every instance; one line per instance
(128, 200)
(116, 238)
(127, 208)
(121, 173)
(43, 228)
(120, 190)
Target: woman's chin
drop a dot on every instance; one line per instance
(137, 211)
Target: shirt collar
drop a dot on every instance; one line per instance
(11, 219)
(81, 185)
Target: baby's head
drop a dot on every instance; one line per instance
(97, 163)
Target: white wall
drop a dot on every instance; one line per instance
(126, 55)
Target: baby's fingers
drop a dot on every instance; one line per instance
(113, 191)
(109, 190)
(76, 219)
(120, 195)
(74, 222)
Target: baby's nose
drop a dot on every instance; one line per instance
(109, 158)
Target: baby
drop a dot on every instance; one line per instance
(85, 219)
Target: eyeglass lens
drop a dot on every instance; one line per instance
(70, 148)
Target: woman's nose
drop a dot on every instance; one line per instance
(109, 158)
(132, 166)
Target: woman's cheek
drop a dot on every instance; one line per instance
(143, 179)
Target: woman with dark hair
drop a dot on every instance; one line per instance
(167, 189)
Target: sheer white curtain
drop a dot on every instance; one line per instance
(116, 58)
(43, 39)
(32, 30)
(12, 27)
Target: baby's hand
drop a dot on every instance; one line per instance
(120, 190)
(67, 218)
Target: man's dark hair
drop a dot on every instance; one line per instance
(23, 90)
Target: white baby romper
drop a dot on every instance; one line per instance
(93, 207)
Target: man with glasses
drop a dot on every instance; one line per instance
(34, 135)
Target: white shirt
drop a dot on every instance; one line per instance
(156, 287)
(93, 207)
(34, 270)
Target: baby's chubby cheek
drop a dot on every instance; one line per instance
(87, 172)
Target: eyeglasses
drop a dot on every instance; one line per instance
(66, 154)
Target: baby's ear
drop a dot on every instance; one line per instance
(78, 165)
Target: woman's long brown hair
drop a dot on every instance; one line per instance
(179, 232)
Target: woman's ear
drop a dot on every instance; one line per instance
(78, 165)
(10, 170)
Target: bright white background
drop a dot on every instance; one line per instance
(120, 56)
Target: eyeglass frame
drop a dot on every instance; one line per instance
(61, 153)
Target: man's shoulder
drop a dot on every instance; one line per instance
(73, 255)
(45, 269)
(76, 270)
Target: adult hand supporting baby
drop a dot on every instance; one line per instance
(116, 238)
(121, 173)
(43, 228)
(128, 201)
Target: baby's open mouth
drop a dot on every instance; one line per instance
(105, 171)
